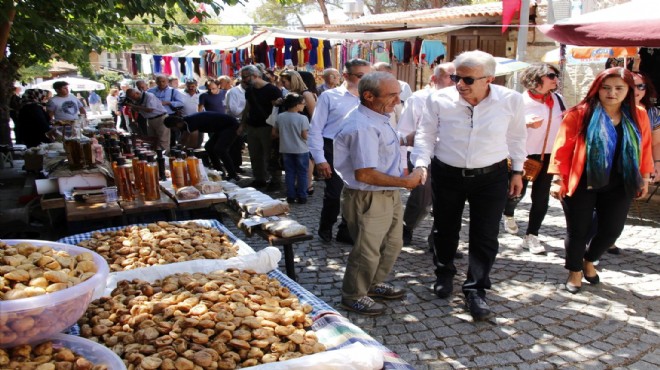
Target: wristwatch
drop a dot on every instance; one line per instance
(517, 172)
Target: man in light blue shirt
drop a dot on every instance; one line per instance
(326, 122)
(171, 99)
(149, 107)
(367, 159)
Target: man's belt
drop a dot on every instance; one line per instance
(158, 116)
(472, 172)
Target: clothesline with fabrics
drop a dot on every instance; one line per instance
(305, 53)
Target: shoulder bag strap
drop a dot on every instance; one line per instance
(561, 102)
(547, 132)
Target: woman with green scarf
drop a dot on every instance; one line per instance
(602, 159)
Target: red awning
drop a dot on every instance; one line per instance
(636, 23)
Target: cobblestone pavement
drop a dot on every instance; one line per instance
(538, 325)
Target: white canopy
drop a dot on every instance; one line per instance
(75, 84)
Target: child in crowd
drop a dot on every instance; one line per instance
(292, 127)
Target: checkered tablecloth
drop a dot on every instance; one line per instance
(333, 330)
(243, 248)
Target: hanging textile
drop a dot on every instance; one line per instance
(138, 63)
(308, 47)
(271, 58)
(319, 53)
(176, 68)
(182, 65)
(133, 67)
(189, 67)
(327, 58)
(287, 49)
(279, 54)
(167, 65)
(398, 48)
(431, 51)
(157, 67)
(195, 68)
(297, 56)
(313, 53)
(381, 54)
(417, 46)
(407, 51)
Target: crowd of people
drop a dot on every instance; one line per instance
(460, 139)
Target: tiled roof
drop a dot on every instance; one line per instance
(446, 15)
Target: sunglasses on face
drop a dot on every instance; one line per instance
(552, 76)
(466, 80)
(640, 87)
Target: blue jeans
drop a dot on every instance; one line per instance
(295, 172)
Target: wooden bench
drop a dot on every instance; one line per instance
(273, 240)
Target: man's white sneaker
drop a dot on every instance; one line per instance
(510, 225)
(532, 243)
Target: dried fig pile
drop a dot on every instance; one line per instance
(158, 244)
(222, 320)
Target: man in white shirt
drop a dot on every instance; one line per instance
(466, 135)
(327, 121)
(419, 201)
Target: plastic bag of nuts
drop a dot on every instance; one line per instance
(28, 270)
(44, 356)
(158, 244)
(221, 320)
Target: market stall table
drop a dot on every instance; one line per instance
(140, 206)
(204, 201)
(333, 330)
(80, 211)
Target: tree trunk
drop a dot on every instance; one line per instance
(5, 27)
(324, 10)
(9, 71)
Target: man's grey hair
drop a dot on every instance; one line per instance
(371, 82)
(383, 67)
(252, 70)
(161, 76)
(348, 66)
(329, 71)
(475, 59)
(442, 69)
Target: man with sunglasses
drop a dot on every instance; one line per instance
(466, 135)
(326, 122)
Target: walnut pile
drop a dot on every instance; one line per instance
(221, 320)
(28, 270)
(44, 356)
(158, 244)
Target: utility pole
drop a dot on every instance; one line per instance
(521, 49)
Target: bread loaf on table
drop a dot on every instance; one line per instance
(209, 187)
(187, 193)
(285, 228)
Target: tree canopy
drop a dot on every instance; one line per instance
(36, 31)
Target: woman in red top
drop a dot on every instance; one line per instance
(602, 158)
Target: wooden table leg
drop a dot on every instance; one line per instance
(288, 261)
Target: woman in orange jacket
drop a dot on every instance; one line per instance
(602, 158)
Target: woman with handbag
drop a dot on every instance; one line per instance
(602, 158)
(543, 114)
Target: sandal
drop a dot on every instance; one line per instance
(310, 190)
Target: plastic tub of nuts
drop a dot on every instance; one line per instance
(64, 349)
(45, 287)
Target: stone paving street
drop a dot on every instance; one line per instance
(538, 325)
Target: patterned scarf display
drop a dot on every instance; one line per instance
(601, 141)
